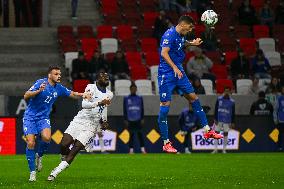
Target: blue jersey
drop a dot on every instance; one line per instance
(133, 108)
(279, 109)
(175, 42)
(39, 107)
(188, 120)
(225, 110)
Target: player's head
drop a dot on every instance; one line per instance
(261, 95)
(185, 24)
(227, 91)
(103, 79)
(133, 89)
(54, 74)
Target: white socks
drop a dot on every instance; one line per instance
(63, 165)
(101, 143)
(166, 141)
(206, 128)
(225, 142)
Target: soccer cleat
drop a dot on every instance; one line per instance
(169, 148)
(51, 178)
(224, 151)
(214, 152)
(212, 134)
(32, 176)
(38, 163)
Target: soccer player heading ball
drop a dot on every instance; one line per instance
(41, 97)
(172, 76)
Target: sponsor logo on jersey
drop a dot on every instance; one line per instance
(165, 41)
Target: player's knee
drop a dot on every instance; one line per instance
(46, 138)
(31, 143)
(191, 97)
(167, 103)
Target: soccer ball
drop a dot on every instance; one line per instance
(209, 18)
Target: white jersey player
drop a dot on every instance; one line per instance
(92, 119)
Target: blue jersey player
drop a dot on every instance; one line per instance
(171, 76)
(41, 97)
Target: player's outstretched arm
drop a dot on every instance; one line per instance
(87, 104)
(194, 42)
(76, 95)
(167, 58)
(32, 93)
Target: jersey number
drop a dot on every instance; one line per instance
(48, 99)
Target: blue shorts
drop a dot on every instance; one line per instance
(35, 127)
(168, 82)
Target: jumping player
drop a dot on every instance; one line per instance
(41, 97)
(171, 76)
(91, 120)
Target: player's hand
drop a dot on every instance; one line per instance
(196, 42)
(177, 72)
(105, 102)
(42, 86)
(87, 95)
(104, 125)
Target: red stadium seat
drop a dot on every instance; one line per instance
(149, 44)
(104, 31)
(227, 43)
(112, 19)
(257, 4)
(128, 45)
(215, 56)
(128, 4)
(143, 32)
(88, 46)
(220, 71)
(152, 58)
(124, 32)
(133, 18)
(147, 5)
(229, 56)
(222, 83)
(68, 44)
(133, 58)
(79, 85)
(85, 31)
(248, 45)
(150, 18)
(199, 28)
(109, 6)
(260, 31)
(64, 29)
(138, 72)
(242, 31)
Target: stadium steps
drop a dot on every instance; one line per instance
(25, 54)
(60, 13)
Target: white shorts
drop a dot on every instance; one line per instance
(83, 130)
(225, 127)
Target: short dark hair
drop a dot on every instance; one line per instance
(261, 94)
(53, 67)
(98, 74)
(187, 19)
(133, 85)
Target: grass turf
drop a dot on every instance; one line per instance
(245, 170)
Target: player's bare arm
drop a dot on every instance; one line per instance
(104, 125)
(77, 95)
(31, 94)
(194, 42)
(167, 58)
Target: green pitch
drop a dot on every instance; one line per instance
(247, 170)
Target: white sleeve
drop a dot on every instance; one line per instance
(88, 104)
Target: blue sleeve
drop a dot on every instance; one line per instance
(167, 40)
(36, 85)
(63, 91)
(124, 108)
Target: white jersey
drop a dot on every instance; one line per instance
(91, 110)
(87, 122)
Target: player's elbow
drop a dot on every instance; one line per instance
(26, 96)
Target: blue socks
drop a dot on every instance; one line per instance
(199, 112)
(30, 155)
(43, 146)
(162, 121)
